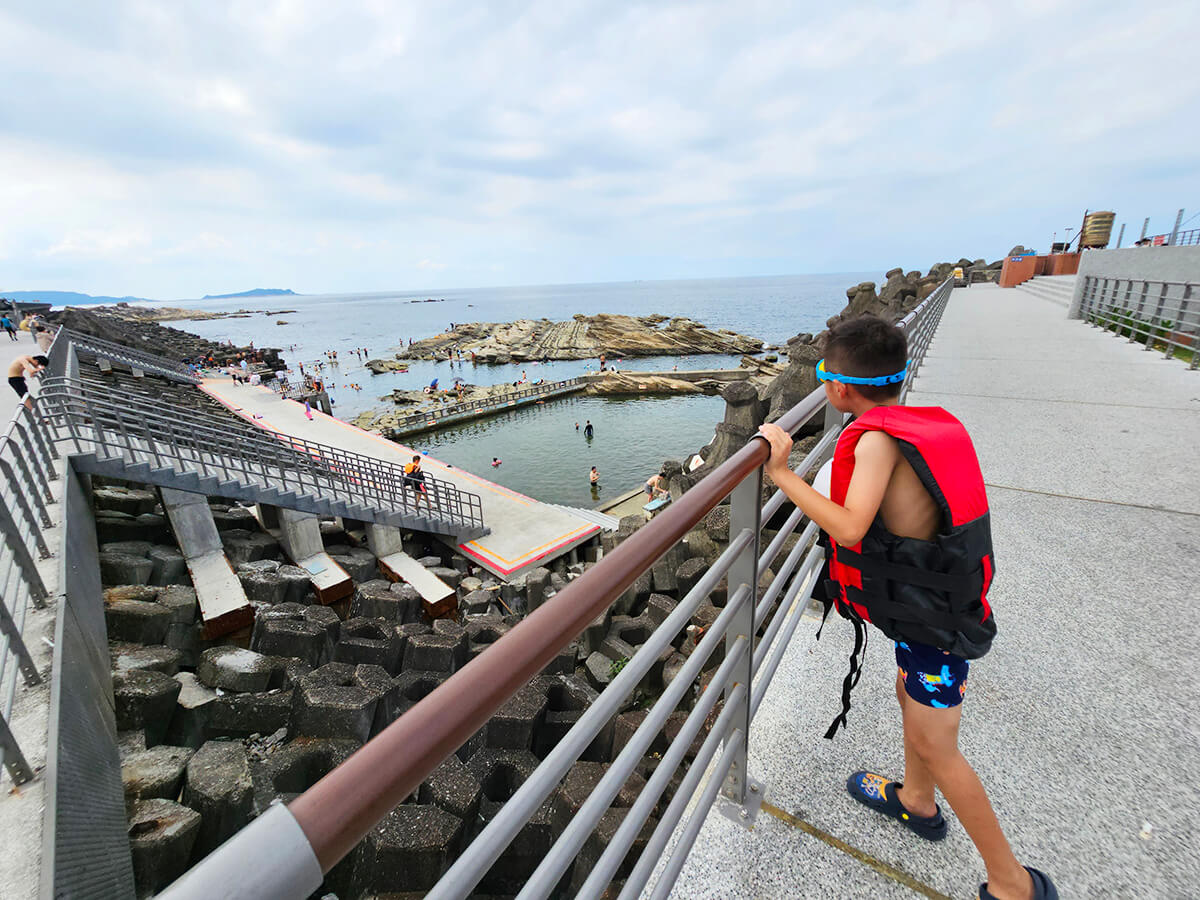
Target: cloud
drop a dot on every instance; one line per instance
(145, 146)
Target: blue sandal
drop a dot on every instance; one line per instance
(1043, 887)
(879, 794)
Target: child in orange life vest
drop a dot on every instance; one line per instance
(884, 498)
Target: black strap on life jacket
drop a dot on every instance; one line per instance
(881, 568)
(851, 679)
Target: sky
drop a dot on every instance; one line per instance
(169, 150)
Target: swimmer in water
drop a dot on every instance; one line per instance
(495, 461)
(594, 476)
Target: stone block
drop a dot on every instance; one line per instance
(598, 668)
(228, 518)
(121, 568)
(368, 641)
(564, 662)
(296, 766)
(157, 772)
(235, 669)
(413, 687)
(297, 586)
(262, 587)
(659, 607)
(583, 778)
(663, 574)
(450, 576)
(629, 603)
(189, 722)
(483, 631)
(130, 501)
(153, 527)
(478, 602)
(118, 527)
(435, 653)
(616, 649)
(429, 561)
(241, 715)
(247, 546)
(633, 631)
(396, 603)
(135, 657)
(451, 787)
(220, 789)
(513, 725)
(185, 639)
(594, 634)
(162, 836)
(169, 566)
(359, 564)
(291, 637)
(145, 701)
(180, 601)
(324, 617)
(698, 544)
(407, 852)
(128, 548)
(537, 584)
(332, 702)
(688, 573)
(136, 621)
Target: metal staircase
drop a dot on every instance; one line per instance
(128, 435)
(137, 360)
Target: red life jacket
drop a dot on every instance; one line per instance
(932, 592)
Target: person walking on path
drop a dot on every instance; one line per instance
(890, 464)
(21, 367)
(588, 431)
(7, 324)
(415, 479)
(308, 409)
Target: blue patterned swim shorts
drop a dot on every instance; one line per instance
(931, 676)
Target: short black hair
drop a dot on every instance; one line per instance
(416, 457)
(867, 347)
(41, 360)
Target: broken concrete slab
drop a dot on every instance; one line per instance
(145, 700)
(157, 772)
(132, 657)
(120, 568)
(136, 621)
(219, 787)
(189, 723)
(162, 836)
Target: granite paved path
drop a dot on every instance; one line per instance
(1084, 720)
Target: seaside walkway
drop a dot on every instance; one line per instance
(1083, 720)
(524, 531)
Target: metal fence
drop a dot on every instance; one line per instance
(129, 427)
(1186, 238)
(136, 359)
(753, 631)
(432, 417)
(27, 466)
(1162, 315)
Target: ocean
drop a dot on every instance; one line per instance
(542, 454)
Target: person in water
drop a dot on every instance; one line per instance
(495, 462)
(880, 506)
(588, 431)
(594, 476)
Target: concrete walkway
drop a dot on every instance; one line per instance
(525, 532)
(1084, 720)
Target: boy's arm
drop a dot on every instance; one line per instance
(874, 460)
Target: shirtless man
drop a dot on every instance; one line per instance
(19, 368)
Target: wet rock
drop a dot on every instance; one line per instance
(162, 835)
(157, 772)
(145, 701)
(234, 669)
(121, 568)
(220, 789)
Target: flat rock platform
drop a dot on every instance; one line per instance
(525, 532)
(1084, 719)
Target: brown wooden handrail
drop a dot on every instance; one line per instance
(341, 808)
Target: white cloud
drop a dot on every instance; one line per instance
(148, 145)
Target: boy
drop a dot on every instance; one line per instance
(21, 367)
(416, 480)
(883, 523)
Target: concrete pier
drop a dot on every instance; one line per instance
(1082, 721)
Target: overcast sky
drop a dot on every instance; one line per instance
(171, 149)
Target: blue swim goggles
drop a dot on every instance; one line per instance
(825, 375)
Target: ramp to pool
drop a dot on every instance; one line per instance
(525, 532)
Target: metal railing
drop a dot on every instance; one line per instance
(1158, 314)
(27, 466)
(1182, 239)
(325, 822)
(431, 417)
(131, 427)
(137, 359)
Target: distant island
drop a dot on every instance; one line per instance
(257, 292)
(69, 298)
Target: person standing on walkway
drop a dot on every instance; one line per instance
(588, 431)
(21, 367)
(308, 409)
(919, 569)
(7, 324)
(415, 479)
(44, 338)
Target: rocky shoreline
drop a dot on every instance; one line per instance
(583, 337)
(128, 313)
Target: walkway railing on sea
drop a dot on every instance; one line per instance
(1158, 314)
(423, 420)
(324, 823)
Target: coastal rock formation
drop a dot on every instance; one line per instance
(584, 337)
(646, 383)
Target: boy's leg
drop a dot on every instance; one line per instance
(917, 793)
(932, 735)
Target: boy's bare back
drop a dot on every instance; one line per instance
(907, 509)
